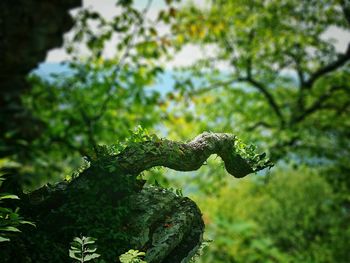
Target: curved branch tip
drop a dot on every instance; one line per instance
(239, 159)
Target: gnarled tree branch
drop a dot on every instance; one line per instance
(239, 160)
(167, 226)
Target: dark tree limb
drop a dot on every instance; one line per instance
(297, 61)
(270, 99)
(318, 104)
(215, 85)
(258, 124)
(346, 10)
(259, 86)
(342, 60)
(263, 89)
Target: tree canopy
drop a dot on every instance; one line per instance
(275, 69)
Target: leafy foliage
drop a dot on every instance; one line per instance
(273, 73)
(295, 217)
(104, 155)
(10, 219)
(248, 152)
(83, 249)
(200, 251)
(132, 256)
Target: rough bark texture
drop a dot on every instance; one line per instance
(108, 202)
(184, 156)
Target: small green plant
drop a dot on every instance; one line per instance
(104, 155)
(83, 249)
(132, 256)
(140, 134)
(9, 218)
(85, 164)
(205, 243)
(248, 152)
(177, 191)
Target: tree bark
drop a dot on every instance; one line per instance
(108, 202)
(186, 156)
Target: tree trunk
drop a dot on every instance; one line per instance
(107, 201)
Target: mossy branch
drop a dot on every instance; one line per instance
(169, 228)
(239, 159)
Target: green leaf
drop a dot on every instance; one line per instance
(92, 250)
(27, 222)
(89, 240)
(90, 257)
(72, 255)
(4, 239)
(132, 256)
(5, 210)
(78, 240)
(10, 229)
(8, 196)
(82, 249)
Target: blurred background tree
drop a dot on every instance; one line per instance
(271, 71)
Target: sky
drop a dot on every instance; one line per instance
(108, 9)
(189, 53)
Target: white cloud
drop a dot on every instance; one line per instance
(186, 56)
(341, 37)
